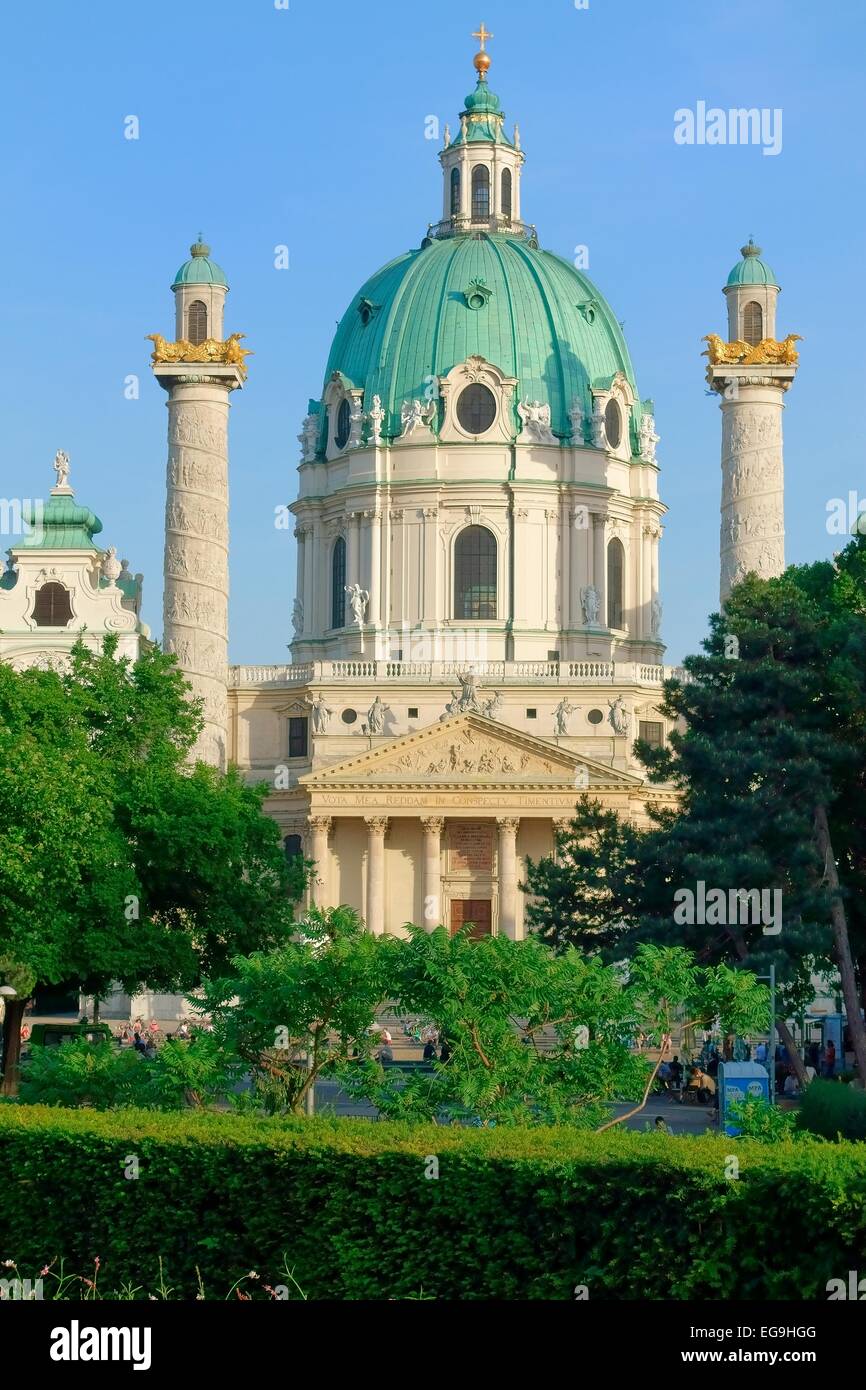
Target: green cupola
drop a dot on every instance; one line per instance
(200, 269)
(751, 270)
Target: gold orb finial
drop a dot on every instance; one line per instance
(481, 61)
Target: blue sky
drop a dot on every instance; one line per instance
(263, 126)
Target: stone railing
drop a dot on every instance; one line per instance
(555, 673)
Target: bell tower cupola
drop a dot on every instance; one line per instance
(200, 288)
(481, 166)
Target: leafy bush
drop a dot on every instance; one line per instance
(100, 1076)
(833, 1110)
(379, 1211)
(757, 1119)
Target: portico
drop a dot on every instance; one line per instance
(436, 827)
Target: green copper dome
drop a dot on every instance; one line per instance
(528, 312)
(200, 269)
(751, 270)
(63, 525)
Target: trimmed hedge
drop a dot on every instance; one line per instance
(513, 1214)
(834, 1110)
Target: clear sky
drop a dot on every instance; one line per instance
(305, 126)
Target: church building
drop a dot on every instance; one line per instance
(477, 619)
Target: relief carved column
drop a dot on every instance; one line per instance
(431, 885)
(508, 827)
(375, 915)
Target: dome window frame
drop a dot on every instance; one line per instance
(471, 371)
(621, 393)
(477, 294)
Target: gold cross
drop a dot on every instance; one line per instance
(482, 35)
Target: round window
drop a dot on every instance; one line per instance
(476, 408)
(595, 716)
(613, 424)
(341, 436)
(349, 716)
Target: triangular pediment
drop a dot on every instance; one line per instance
(468, 750)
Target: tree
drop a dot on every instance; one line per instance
(306, 1008)
(544, 1038)
(118, 861)
(767, 758)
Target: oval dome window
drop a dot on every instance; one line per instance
(476, 408)
(613, 424)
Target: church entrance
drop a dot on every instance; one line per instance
(478, 911)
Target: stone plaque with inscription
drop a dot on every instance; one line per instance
(472, 846)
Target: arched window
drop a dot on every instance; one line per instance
(480, 193)
(613, 424)
(196, 321)
(615, 584)
(475, 573)
(506, 193)
(455, 191)
(53, 606)
(292, 846)
(753, 323)
(338, 583)
(341, 437)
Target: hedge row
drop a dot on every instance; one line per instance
(833, 1110)
(513, 1214)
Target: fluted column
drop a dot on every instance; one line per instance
(431, 886)
(508, 827)
(320, 827)
(375, 916)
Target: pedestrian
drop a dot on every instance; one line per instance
(444, 1051)
(828, 1065)
(386, 1054)
(677, 1074)
(429, 1051)
(761, 1053)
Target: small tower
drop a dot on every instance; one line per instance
(481, 168)
(751, 373)
(199, 372)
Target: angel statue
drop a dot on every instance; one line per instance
(560, 716)
(376, 716)
(358, 598)
(298, 616)
(589, 599)
(415, 415)
(61, 468)
(320, 713)
(618, 716)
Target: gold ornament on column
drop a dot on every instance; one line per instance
(211, 350)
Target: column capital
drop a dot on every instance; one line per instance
(321, 823)
(377, 825)
(433, 825)
(508, 824)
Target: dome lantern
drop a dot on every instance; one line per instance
(751, 291)
(200, 287)
(481, 167)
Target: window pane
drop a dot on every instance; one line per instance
(480, 193)
(455, 192)
(475, 574)
(615, 569)
(338, 584)
(298, 736)
(343, 425)
(476, 408)
(53, 606)
(612, 424)
(506, 192)
(651, 732)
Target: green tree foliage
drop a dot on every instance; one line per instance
(301, 1010)
(542, 1038)
(118, 861)
(767, 758)
(102, 1077)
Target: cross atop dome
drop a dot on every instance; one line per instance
(481, 61)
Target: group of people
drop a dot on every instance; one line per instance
(434, 1045)
(145, 1039)
(701, 1080)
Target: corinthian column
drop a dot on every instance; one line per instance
(508, 827)
(320, 827)
(431, 883)
(375, 918)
